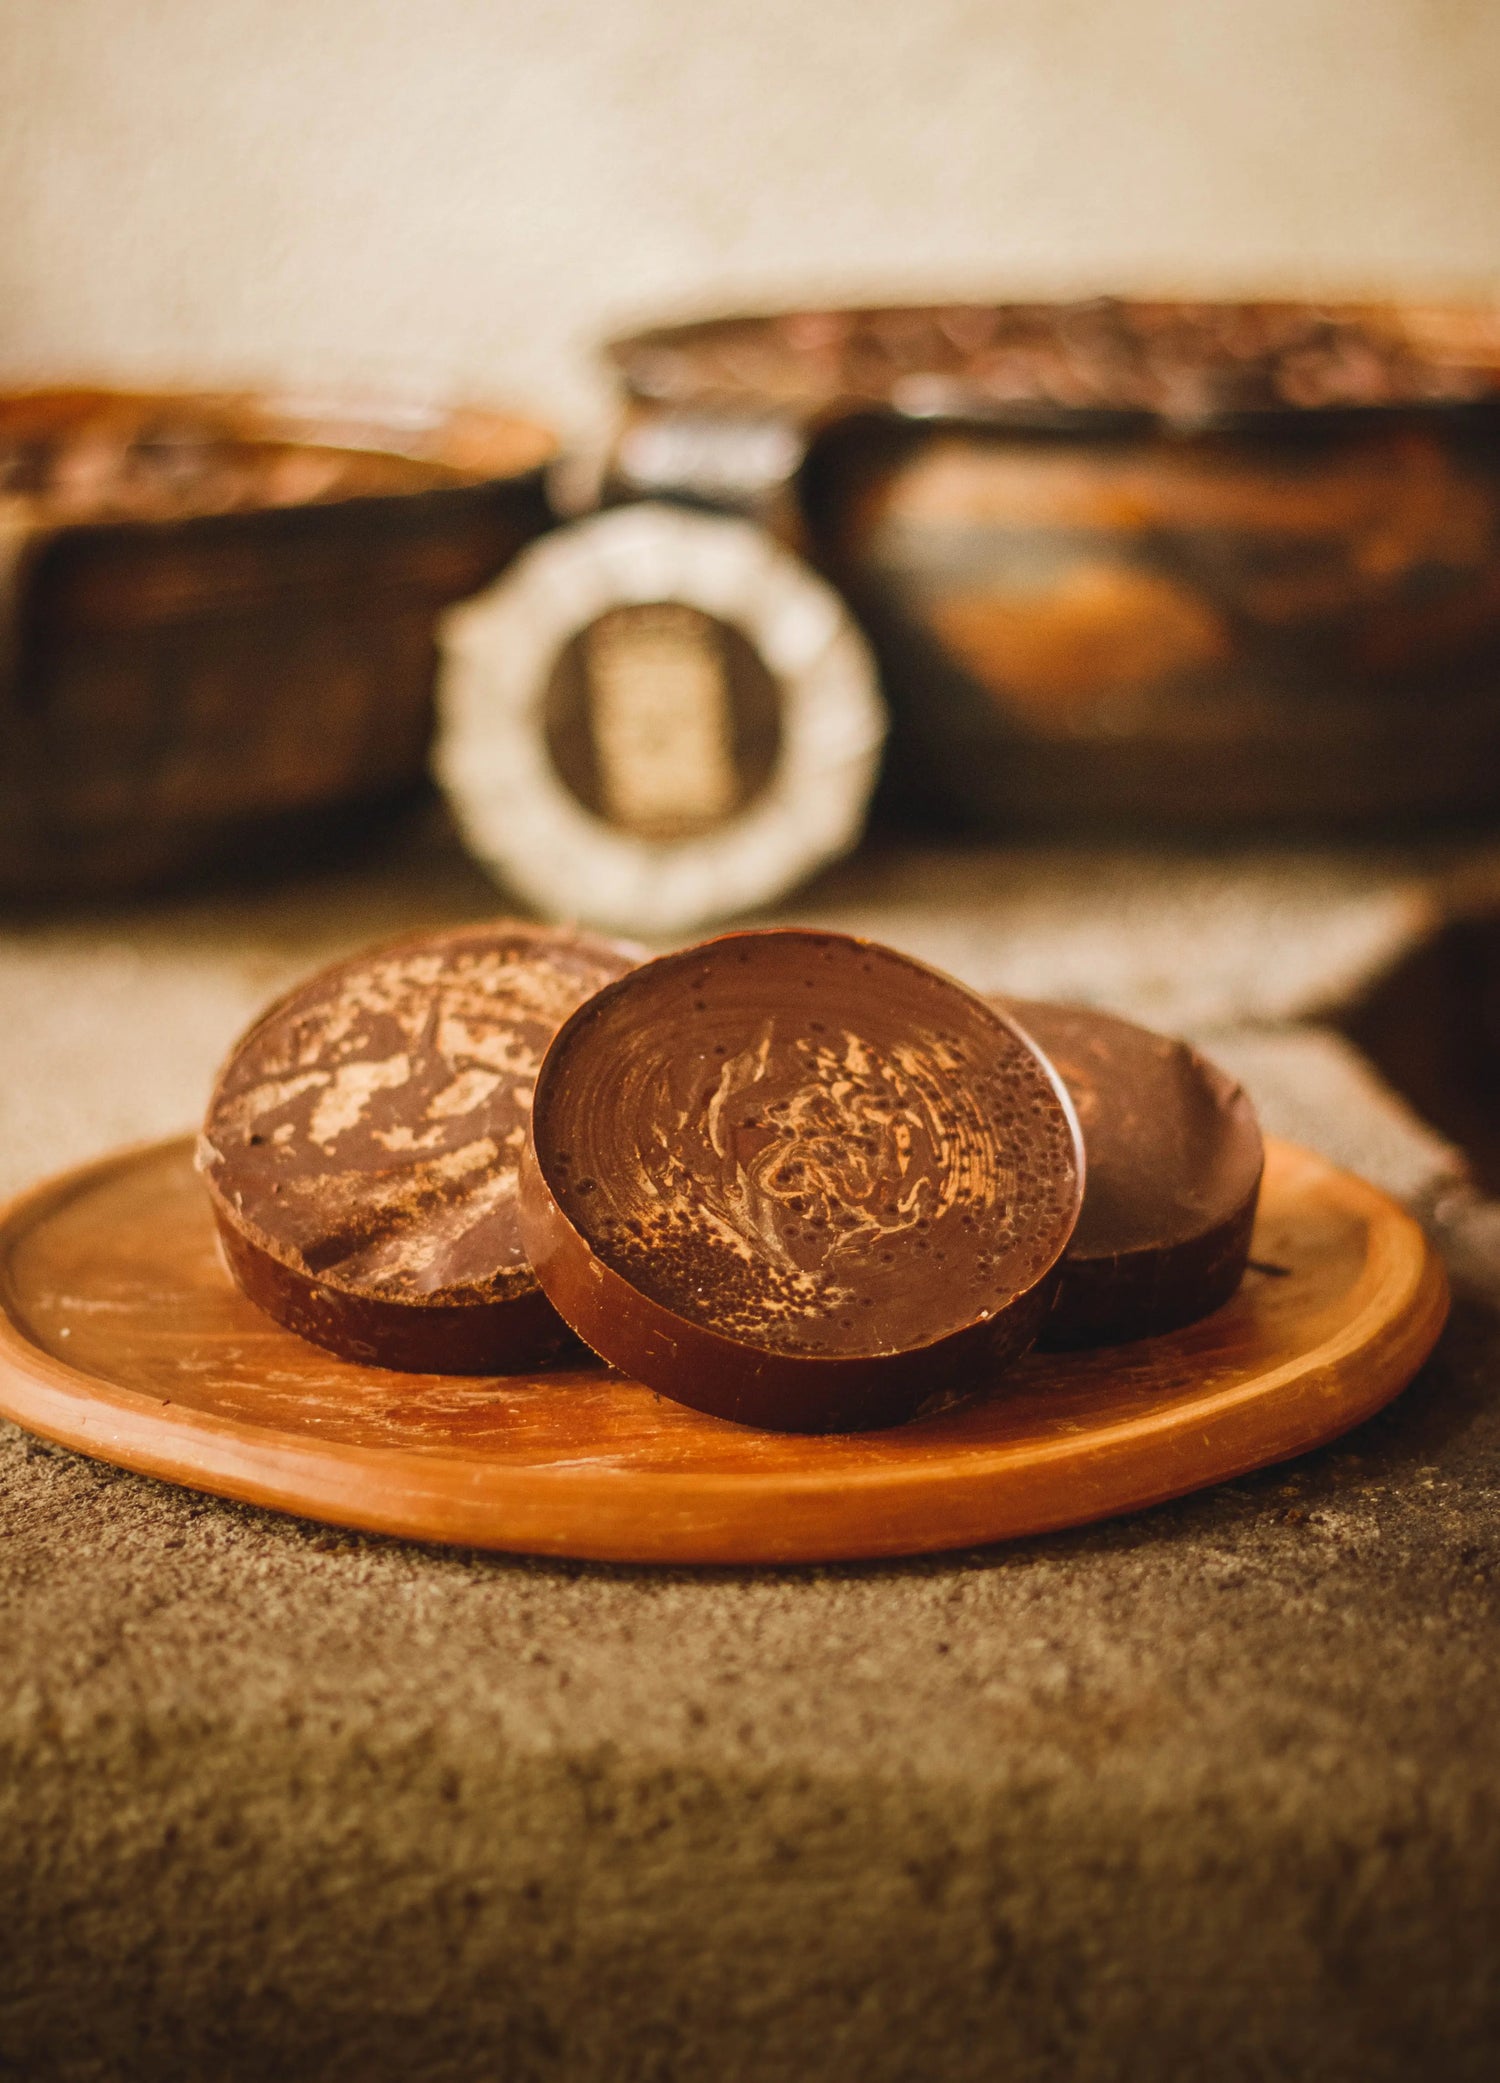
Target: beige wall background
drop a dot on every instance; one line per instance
(463, 196)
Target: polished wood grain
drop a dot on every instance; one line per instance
(121, 1335)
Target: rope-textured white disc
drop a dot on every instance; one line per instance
(518, 815)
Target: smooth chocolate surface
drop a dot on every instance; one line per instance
(798, 1179)
(1174, 1160)
(362, 1141)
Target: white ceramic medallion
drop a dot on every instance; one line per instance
(656, 719)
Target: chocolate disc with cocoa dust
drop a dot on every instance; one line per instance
(799, 1180)
(1174, 1160)
(361, 1147)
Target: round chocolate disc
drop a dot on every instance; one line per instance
(799, 1180)
(1173, 1175)
(362, 1141)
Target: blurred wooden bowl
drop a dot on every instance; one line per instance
(1152, 564)
(217, 618)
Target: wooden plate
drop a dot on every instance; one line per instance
(121, 1335)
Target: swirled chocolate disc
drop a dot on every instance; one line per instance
(1174, 1163)
(798, 1180)
(361, 1147)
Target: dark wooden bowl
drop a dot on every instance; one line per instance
(1158, 564)
(217, 618)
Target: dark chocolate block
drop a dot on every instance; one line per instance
(798, 1180)
(361, 1146)
(1174, 1161)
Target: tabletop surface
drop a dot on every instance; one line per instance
(1205, 1790)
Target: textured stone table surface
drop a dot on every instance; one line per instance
(1211, 1792)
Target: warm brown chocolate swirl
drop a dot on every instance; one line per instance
(806, 1146)
(362, 1141)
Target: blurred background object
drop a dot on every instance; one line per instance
(217, 617)
(1147, 562)
(658, 719)
(1161, 563)
(468, 197)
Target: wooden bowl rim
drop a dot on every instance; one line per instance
(479, 446)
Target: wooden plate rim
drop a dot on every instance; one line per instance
(1397, 1305)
